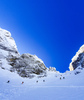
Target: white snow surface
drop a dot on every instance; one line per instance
(53, 88)
(6, 39)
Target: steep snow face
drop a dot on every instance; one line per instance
(78, 59)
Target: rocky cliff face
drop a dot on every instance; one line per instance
(78, 60)
(26, 65)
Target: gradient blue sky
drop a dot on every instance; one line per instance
(51, 29)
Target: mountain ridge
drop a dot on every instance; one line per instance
(27, 65)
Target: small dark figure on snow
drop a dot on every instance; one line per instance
(43, 80)
(8, 81)
(63, 77)
(22, 82)
(60, 78)
(36, 81)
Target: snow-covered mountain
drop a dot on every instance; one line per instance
(26, 65)
(26, 77)
(7, 48)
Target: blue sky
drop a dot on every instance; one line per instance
(51, 29)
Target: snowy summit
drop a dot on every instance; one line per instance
(26, 77)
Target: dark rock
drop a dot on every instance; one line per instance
(79, 61)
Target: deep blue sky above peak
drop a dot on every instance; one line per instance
(51, 29)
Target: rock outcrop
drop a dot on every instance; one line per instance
(26, 65)
(78, 59)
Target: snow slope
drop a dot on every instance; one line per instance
(54, 88)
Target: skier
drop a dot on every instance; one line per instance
(63, 77)
(8, 81)
(43, 80)
(36, 81)
(22, 82)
